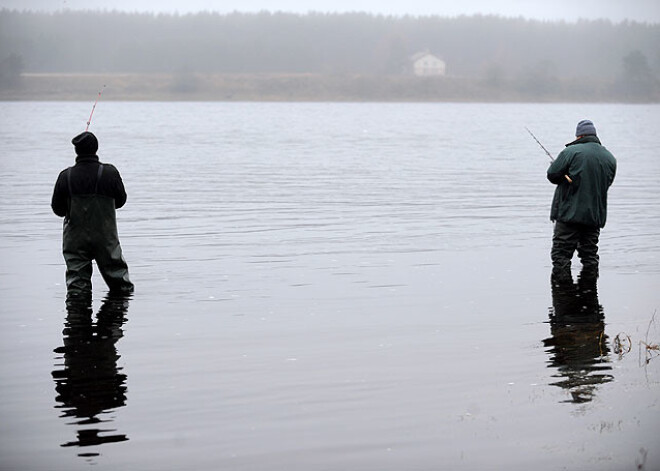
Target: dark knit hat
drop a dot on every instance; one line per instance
(85, 143)
(585, 128)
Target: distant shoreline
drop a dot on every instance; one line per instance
(298, 87)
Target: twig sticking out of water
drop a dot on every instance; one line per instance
(651, 350)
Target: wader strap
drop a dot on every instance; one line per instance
(98, 177)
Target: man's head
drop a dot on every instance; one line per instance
(585, 128)
(85, 143)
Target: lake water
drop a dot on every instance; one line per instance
(329, 286)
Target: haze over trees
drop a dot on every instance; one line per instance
(597, 58)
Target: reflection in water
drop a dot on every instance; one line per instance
(88, 382)
(578, 344)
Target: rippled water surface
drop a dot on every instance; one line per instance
(330, 287)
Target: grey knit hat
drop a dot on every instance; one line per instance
(585, 128)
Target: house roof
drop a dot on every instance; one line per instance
(421, 55)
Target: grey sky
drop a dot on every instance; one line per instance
(569, 10)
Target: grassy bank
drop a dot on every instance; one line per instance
(310, 87)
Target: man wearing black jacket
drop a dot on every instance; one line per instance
(86, 195)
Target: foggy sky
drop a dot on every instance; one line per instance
(568, 10)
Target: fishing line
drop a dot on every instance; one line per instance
(568, 179)
(89, 121)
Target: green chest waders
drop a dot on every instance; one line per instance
(90, 233)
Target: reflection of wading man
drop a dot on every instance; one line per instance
(583, 172)
(578, 345)
(86, 195)
(88, 382)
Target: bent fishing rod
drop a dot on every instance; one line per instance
(552, 159)
(89, 121)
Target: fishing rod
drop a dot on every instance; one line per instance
(552, 159)
(89, 121)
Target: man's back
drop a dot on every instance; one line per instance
(591, 168)
(83, 179)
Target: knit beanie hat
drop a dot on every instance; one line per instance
(85, 143)
(585, 128)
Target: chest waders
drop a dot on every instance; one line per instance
(90, 233)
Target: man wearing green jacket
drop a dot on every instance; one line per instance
(583, 172)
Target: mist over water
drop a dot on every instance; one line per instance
(330, 286)
(278, 56)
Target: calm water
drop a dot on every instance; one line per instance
(329, 287)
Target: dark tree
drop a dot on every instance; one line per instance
(11, 68)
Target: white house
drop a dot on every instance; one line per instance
(425, 64)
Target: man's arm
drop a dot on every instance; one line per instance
(59, 202)
(558, 170)
(118, 191)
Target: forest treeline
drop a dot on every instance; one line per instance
(598, 58)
